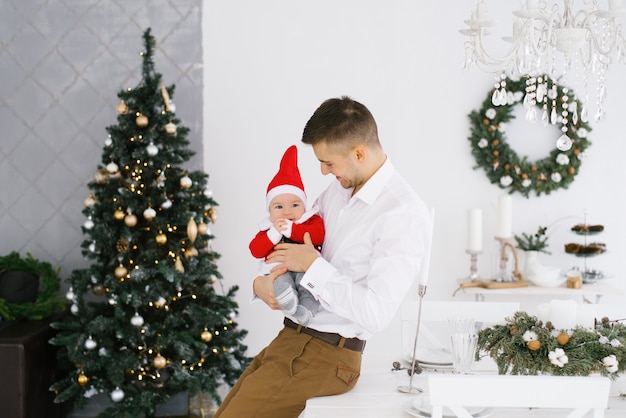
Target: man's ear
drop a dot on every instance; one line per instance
(360, 154)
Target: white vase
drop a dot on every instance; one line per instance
(531, 264)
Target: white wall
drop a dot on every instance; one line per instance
(268, 65)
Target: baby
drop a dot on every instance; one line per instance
(288, 221)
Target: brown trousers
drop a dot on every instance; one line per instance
(293, 368)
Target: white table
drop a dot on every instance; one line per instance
(376, 396)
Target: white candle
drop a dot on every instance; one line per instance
(585, 316)
(475, 230)
(423, 274)
(505, 215)
(563, 314)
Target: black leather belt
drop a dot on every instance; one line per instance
(337, 340)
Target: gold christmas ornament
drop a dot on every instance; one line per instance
(90, 201)
(141, 120)
(192, 230)
(98, 290)
(206, 336)
(159, 361)
(119, 214)
(161, 238)
(191, 252)
(166, 97)
(101, 176)
(212, 214)
(203, 228)
(121, 108)
(178, 265)
(130, 220)
(170, 128)
(82, 379)
(120, 271)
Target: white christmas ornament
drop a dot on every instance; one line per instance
(137, 320)
(103, 352)
(70, 294)
(88, 223)
(90, 343)
(112, 167)
(149, 214)
(185, 182)
(208, 192)
(117, 395)
(172, 106)
(166, 204)
(92, 247)
(108, 142)
(152, 149)
(74, 309)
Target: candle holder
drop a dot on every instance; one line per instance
(503, 275)
(410, 388)
(473, 276)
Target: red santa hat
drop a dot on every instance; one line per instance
(288, 179)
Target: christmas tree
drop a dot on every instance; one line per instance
(146, 321)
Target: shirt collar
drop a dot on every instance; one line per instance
(375, 185)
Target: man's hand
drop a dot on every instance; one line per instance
(264, 287)
(295, 257)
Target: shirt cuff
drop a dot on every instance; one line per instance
(273, 235)
(317, 275)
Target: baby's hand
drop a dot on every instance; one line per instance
(280, 224)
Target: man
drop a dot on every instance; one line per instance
(376, 238)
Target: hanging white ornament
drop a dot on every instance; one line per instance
(92, 247)
(88, 223)
(108, 142)
(172, 106)
(137, 320)
(90, 343)
(94, 279)
(208, 192)
(103, 352)
(74, 309)
(152, 149)
(166, 204)
(112, 301)
(117, 395)
(149, 214)
(70, 294)
(112, 167)
(185, 182)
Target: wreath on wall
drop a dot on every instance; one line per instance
(503, 166)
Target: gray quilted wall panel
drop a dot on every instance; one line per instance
(62, 63)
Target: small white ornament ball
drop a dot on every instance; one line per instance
(70, 294)
(152, 149)
(166, 204)
(108, 142)
(137, 320)
(149, 214)
(74, 309)
(185, 182)
(112, 301)
(103, 352)
(117, 395)
(92, 247)
(208, 192)
(88, 223)
(90, 343)
(172, 106)
(112, 167)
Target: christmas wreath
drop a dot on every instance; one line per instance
(503, 166)
(47, 301)
(526, 346)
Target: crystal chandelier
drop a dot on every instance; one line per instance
(561, 44)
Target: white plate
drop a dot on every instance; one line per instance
(420, 407)
(431, 357)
